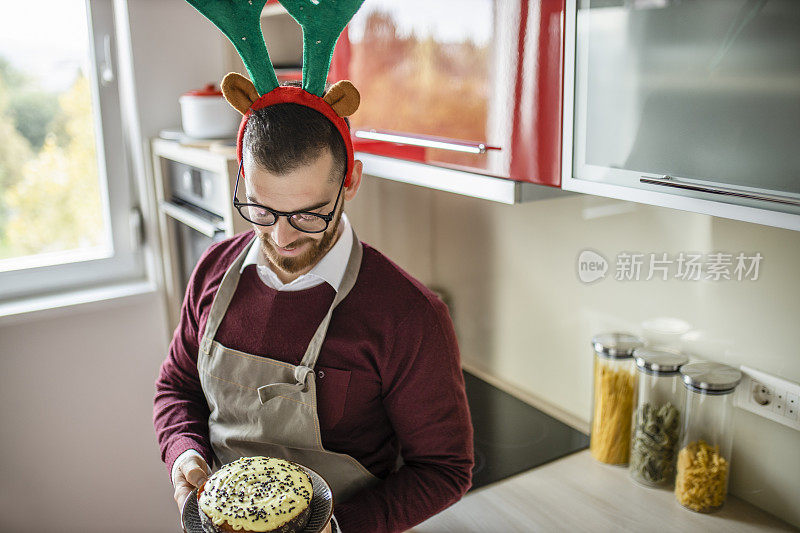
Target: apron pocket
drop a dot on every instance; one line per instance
(332, 385)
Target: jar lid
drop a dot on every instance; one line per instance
(659, 361)
(710, 377)
(617, 345)
(208, 90)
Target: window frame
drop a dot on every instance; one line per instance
(126, 262)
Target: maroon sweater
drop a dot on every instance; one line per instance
(391, 380)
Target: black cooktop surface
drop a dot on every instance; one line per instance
(510, 436)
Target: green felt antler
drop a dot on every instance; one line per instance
(322, 22)
(240, 21)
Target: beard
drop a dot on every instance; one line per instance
(317, 249)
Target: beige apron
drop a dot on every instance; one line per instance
(260, 406)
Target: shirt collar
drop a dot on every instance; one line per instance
(329, 269)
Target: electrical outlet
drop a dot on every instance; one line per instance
(762, 394)
(769, 396)
(792, 406)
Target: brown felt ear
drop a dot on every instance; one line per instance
(239, 91)
(343, 97)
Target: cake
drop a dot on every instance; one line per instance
(256, 494)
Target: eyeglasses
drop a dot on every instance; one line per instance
(304, 221)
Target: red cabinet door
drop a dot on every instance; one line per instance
(473, 85)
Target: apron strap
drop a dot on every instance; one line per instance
(268, 392)
(222, 298)
(348, 282)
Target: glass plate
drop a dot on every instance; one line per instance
(321, 507)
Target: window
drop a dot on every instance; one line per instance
(66, 196)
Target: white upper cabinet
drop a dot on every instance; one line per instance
(693, 105)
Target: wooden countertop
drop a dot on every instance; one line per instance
(576, 493)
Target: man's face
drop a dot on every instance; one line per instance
(306, 188)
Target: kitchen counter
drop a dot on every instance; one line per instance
(576, 493)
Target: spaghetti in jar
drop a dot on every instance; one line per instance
(614, 387)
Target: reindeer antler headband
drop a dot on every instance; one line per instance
(322, 22)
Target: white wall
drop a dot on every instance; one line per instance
(175, 49)
(523, 316)
(79, 452)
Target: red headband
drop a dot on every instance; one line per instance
(297, 95)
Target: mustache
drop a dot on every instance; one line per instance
(299, 242)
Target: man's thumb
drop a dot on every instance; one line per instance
(196, 477)
(194, 472)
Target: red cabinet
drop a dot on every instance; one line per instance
(467, 85)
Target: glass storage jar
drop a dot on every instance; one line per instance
(701, 481)
(614, 383)
(657, 416)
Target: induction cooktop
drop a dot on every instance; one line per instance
(511, 436)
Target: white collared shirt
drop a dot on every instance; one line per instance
(329, 269)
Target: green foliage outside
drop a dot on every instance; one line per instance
(32, 113)
(49, 190)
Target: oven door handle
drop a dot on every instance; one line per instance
(191, 219)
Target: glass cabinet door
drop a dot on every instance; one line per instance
(689, 97)
(421, 74)
(472, 85)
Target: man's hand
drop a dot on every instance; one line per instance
(190, 473)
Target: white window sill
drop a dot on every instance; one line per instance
(50, 306)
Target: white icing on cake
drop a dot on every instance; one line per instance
(256, 493)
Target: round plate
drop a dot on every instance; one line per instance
(321, 507)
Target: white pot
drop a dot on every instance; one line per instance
(205, 114)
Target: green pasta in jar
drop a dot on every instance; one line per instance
(655, 438)
(657, 419)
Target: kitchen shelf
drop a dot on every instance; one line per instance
(443, 179)
(456, 181)
(219, 160)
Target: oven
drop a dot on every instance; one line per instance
(194, 189)
(194, 230)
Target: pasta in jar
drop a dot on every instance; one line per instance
(702, 479)
(657, 418)
(655, 437)
(614, 383)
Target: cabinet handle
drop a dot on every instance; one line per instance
(669, 181)
(427, 141)
(193, 220)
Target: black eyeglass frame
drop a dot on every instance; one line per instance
(277, 214)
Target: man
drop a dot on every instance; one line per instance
(389, 425)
